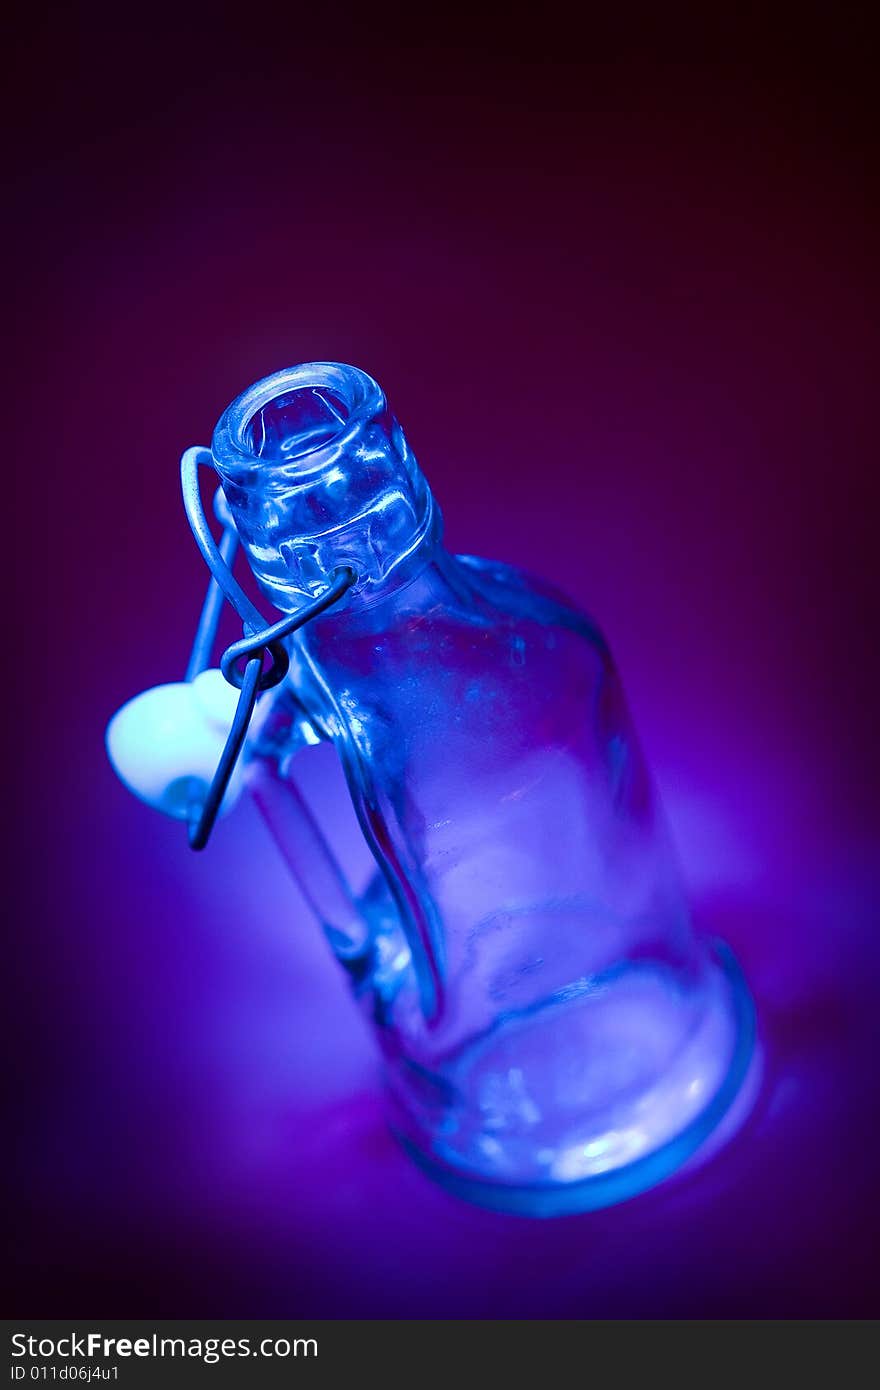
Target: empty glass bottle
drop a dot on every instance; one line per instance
(555, 1037)
(553, 1032)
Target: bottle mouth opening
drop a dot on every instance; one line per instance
(297, 417)
(295, 423)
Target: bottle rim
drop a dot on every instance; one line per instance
(357, 393)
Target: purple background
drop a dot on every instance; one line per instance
(620, 290)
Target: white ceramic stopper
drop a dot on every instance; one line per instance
(165, 744)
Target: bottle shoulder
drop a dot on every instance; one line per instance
(451, 592)
(516, 592)
(471, 644)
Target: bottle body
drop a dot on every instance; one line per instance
(545, 1013)
(554, 1035)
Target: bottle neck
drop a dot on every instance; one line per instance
(318, 476)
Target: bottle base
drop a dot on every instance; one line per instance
(615, 1175)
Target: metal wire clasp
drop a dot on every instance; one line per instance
(242, 662)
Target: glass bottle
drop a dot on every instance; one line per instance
(555, 1036)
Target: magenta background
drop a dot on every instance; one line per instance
(621, 293)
